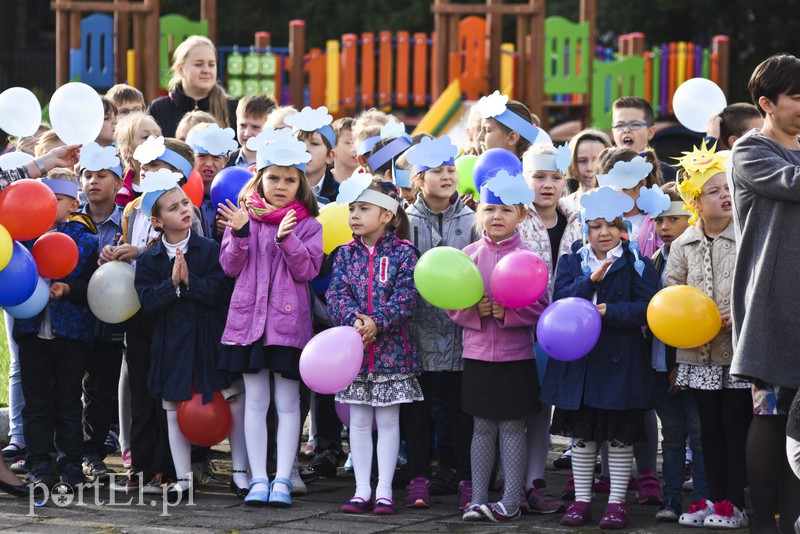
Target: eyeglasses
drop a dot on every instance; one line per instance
(631, 125)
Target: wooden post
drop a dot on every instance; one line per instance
(263, 39)
(536, 74)
(588, 13)
(149, 52)
(494, 24)
(636, 44)
(62, 44)
(139, 21)
(519, 79)
(208, 11)
(722, 47)
(297, 46)
(440, 27)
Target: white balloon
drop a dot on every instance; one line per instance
(20, 112)
(76, 113)
(12, 160)
(696, 101)
(111, 295)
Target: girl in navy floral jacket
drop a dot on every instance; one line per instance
(372, 289)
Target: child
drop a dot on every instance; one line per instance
(251, 114)
(180, 278)
(344, 155)
(676, 408)
(192, 119)
(381, 157)
(472, 145)
(277, 117)
(735, 121)
(437, 218)
(603, 396)
(52, 353)
(128, 99)
(585, 147)
(313, 127)
(500, 387)
(211, 145)
(48, 141)
(633, 126)
(703, 257)
(549, 228)
(507, 124)
(628, 171)
(132, 132)
(101, 178)
(379, 303)
(273, 247)
(107, 132)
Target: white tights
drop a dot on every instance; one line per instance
(181, 451)
(236, 439)
(287, 404)
(388, 421)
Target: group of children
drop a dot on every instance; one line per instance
(232, 293)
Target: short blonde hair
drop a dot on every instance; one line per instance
(276, 116)
(127, 135)
(63, 173)
(45, 139)
(193, 118)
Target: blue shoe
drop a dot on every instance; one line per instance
(257, 498)
(280, 499)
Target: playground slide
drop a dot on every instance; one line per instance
(447, 106)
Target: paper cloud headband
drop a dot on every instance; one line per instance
(266, 135)
(506, 189)
(493, 106)
(626, 174)
(653, 201)
(313, 120)
(97, 158)
(356, 189)
(156, 184)
(154, 149)
(61, 187)
(558, 162)
(400, 142)
(213, 140)
(430, 153)
(283, 152)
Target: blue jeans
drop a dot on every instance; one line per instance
(679, 419)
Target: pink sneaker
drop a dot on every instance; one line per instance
(418, 493)
(568, 493)
(615, 517)
(541, 501)
(578, 514)
(464, 494)
(126, 458)
(649, 491)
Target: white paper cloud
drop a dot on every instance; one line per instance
(492, 105)
(151, 149)
(626, 174)
(309, 119)
(160, 180)
(95, 157)
(350, 189)
(267, 135)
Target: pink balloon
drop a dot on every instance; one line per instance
(332, 359)
(343, 411)
(519, 279)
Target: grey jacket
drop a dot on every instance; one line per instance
(438, 338)
(765, 182)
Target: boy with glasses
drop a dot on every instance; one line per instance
(633, 126)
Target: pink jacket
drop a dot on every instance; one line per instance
(488, 339)
(270, 297)
(648, 238)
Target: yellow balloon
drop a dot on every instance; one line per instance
(335, 221)
(6, 247)
(683, 317)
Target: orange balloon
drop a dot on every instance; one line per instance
(194, 188)
(205, 425)
(27, 209)
(56, 255)
(683, 317)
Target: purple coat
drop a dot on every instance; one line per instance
(380, 285)
(270, 298)
(487, 338)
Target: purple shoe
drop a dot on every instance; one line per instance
(356, 505)
(541, 501)
(615, 517)
(464, 494)
(568, 493)
(579, 513)
(497, 512)
(419, 493)
(473, 512)
(649, 490)
(383, 507)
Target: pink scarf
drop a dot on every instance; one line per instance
(259, 210)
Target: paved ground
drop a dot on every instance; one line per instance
(215, 509)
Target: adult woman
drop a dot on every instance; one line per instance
(193, 86)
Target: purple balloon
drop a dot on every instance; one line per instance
(569, 329)
(332, 359)
(491, 161)
(343, 411)
(227, 184)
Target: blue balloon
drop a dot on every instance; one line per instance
(491, 161)
(227, 184)
(35, 304)
(18, 278)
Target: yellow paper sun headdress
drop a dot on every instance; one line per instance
(699, 165)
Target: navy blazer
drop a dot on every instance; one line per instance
(616, 374)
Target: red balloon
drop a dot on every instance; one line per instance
(194, 188)
(56, 255)
(205, 425)
(27, 209)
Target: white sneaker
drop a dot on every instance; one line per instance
(348, 465)
(298, 486)
(726, 516)
(697, 514)
(688, 485)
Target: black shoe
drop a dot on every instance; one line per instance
(325, 464)
(41, 473)
(72, 474)
(444, 482)
(19, 490)
(13, 452)
(239, 492)
(564, 461)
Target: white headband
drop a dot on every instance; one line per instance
(370, 196)
(675, 208)
(540, 162)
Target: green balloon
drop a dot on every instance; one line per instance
(448, 279)
(466, 184)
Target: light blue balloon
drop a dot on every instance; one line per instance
(35, 303)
